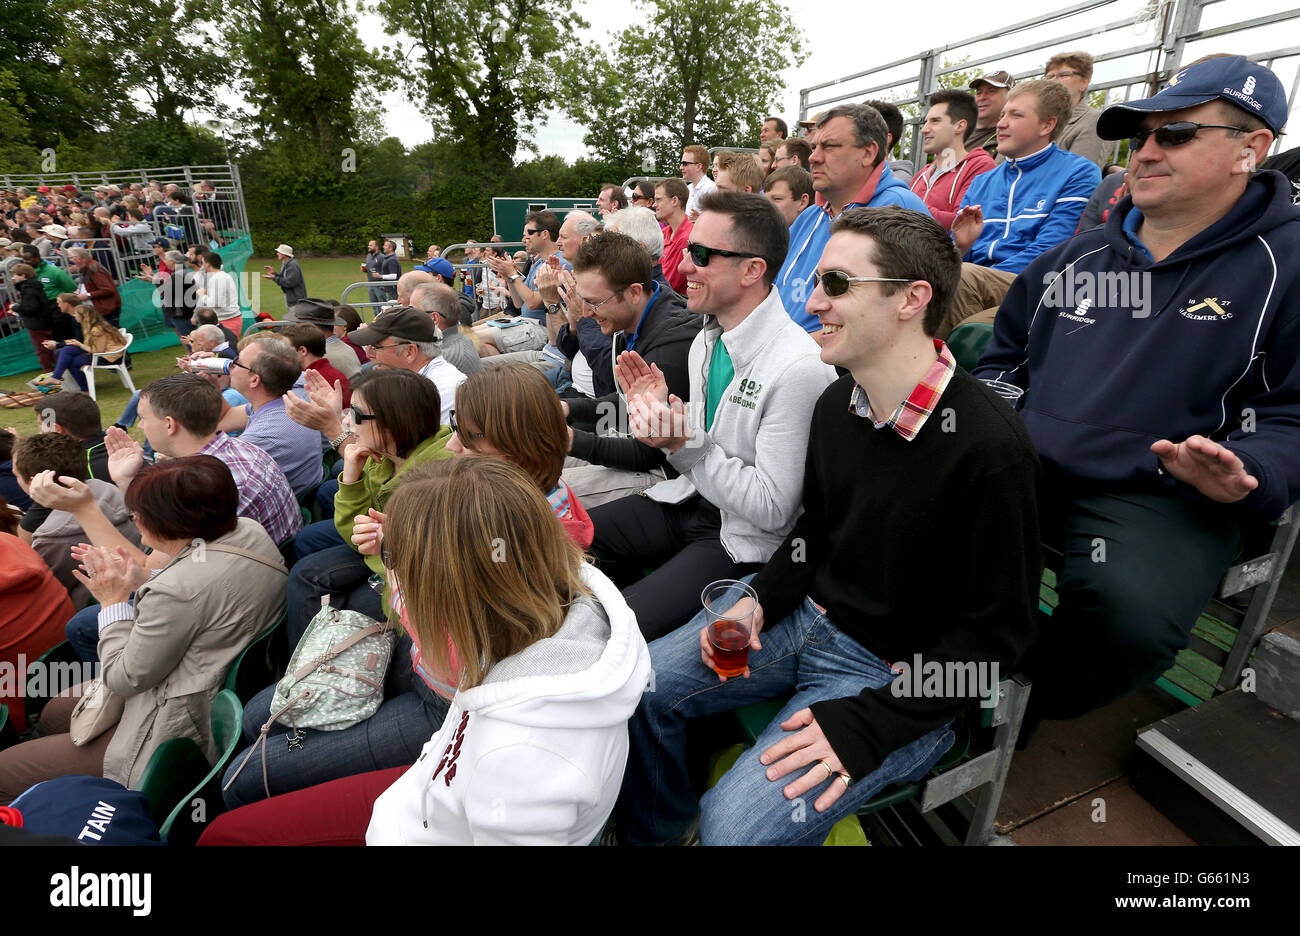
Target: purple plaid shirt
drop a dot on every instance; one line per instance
(264, 493)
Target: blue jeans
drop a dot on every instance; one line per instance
(340, 572)
(82, 631)
(128, 416)
(392, 737)
(314, 537)
(325, 495)
(71, 358)
(806, 655)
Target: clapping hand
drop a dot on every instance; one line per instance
(125, 456)
(966, 227)
(659, 424)
(110, 574)
(637, 378)
(323, 411)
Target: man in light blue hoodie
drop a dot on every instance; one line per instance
(848, 171)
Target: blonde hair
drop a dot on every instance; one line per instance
(483, 565)
(516, 409)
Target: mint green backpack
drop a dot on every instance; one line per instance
(335, 678)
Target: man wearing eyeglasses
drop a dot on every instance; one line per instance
(405, 338)
(1074, 70)
(695, 164)
(849, 170)
(903, 448)
(739, 447)
(1156, 363)
(527, 331)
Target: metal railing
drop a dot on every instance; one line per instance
(361, 307)
(1173, 24)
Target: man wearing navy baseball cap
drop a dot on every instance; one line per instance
(1156, 364)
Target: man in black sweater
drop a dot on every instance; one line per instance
(917, 554)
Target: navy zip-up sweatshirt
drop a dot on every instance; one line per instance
(1116, 352)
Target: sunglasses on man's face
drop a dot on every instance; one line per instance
(836, 283)
(701, 255)
(1175, 134)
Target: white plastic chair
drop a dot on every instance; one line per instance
(119, 365)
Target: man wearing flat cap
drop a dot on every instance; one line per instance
(289, 278)
(406, 338)
(990, 90)
(1155, 362)
(320, 313)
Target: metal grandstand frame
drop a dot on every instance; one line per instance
(1173, 25)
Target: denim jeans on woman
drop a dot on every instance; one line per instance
(392, 737)
(806, 655)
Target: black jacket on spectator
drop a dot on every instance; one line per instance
(35, 308)
(665, 340)
(178, 294)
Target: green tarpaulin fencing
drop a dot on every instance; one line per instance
(140, 315)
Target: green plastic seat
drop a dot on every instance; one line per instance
(34, 702)
(182, 826)
(967, 342)
(261, 663)
(174, 769)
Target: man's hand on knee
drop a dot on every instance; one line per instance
(1209, 467)
(807, 745)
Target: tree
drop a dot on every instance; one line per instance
(309, 80)
(16, 150)
(482, 70)
(31, 33)
(159, 48)
(695, 71)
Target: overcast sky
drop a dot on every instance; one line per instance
(892, 30)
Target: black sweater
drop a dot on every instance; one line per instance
(929, 546)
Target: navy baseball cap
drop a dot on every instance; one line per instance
(1234, 79)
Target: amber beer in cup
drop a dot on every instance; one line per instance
(729, 615)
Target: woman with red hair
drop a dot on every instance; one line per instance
(167, 637)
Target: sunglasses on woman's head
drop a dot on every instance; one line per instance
(836, 282)
(1175, 134)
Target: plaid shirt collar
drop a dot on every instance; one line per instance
(912, 413)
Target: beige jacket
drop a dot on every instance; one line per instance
(1080, 136)
(192, 620)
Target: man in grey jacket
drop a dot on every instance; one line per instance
(289, 278)
(1074, 70)
(739, 445)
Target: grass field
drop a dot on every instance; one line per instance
(325, 279)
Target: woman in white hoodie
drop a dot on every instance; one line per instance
(551, 664)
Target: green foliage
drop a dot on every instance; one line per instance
(156, 47)
(31, 32)
(482, 70)
(695, 71)
(308, 78)
(15, 135)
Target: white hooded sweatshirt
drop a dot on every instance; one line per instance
(535, 755)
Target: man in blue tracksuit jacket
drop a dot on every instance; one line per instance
(1024, 207)
(1159, 359)
(849, 170)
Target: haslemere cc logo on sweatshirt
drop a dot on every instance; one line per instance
(1209, 309)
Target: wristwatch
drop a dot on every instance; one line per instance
(553, 308)
(516, 276)
(342, 437)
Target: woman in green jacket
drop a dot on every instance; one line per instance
(395, 418)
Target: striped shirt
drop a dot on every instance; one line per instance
(910, 415)
(264, 493)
